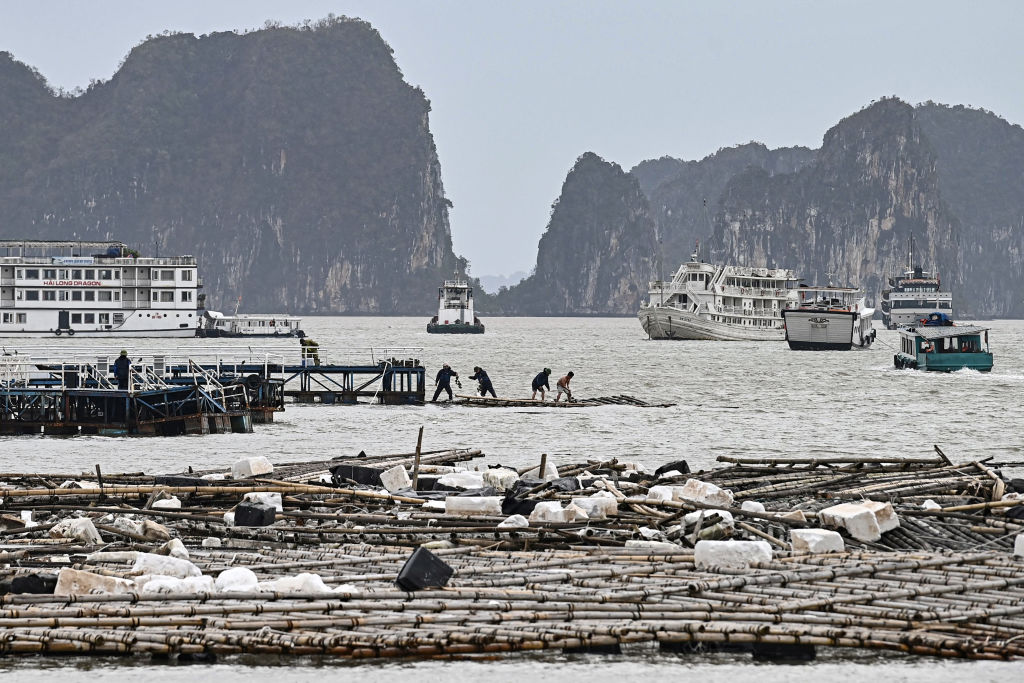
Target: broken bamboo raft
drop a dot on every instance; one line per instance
(609, 559)
(620, 400)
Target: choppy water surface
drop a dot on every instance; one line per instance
(733, 398)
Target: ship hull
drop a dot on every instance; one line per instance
(673, 323)
(440, 328)
(828, 330)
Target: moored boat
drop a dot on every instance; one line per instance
(455, 310)
(829, 319)
(913, 294)
(719, 302)
(216, 324)
(944, 348)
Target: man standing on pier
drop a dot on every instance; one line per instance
(122, 370)
(540, 383)
(443, 381)
(480, 375)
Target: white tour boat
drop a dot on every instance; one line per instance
(50, 287)
(910, 298)
(455, 310)
(722, 303)
(216, 324)
(829, 319)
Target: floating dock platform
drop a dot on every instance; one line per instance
(502, 402)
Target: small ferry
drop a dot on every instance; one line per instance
(829, 319)
(98, 289)
(719, 303)
(941, 346)
(455, 310)
(215, 324)
(912, 295)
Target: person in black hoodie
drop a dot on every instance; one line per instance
(443, 381)
(540, 383)
(122, 370)
(480, 375)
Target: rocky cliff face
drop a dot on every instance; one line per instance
(597, 253)
(295, 163)
(848, 215)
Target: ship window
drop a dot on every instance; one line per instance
(156, 296)
(186, 275)
(104, 318)
(117, 274)
(76, 274)
(166, 296)
(167, 275)
(76, 296)
(117, 296)
(89, 296)
(186, 296)
(90, 318)
(50, 274)
(106, 274)
(118, 318)
(20, 274)
(62, 275)
(49, 295)
(90, 274)
(22, 317)
(8, 318)
(76, 318)
(32, 274)
(106, 296)
(31, 295)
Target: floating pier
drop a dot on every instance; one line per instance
(158, 566)
(502, 402)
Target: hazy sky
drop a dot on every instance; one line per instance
(521, 88)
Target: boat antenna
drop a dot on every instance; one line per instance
(707, 220)
(661, 265)
(238, 302)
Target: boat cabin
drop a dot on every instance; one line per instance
(944, 348)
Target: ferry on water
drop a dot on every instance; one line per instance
(455, 310)
(911, 297)
(216, 324)
(103, 289)
(939, 345)
(720, 303)
(829, 319)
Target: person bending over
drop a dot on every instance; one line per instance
(540, 383)
(563, 386)
(480, 375)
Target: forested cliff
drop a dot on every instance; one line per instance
(296, 164)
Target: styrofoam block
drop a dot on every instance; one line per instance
(126, 524)
(501, 478)
(597, 507)
(79, 528)
(670, 474)
(752, 506)
(125, 556)
(858, 520)
(26, 517)
(472, 505)
(229, 518)
(731, 554)
(172, 503)
(302, 583)
(659, 547)
(252, 466)
(78, 582)
(816, 541)
(155, 531)
(172, 584)
(884, 515)
(214, 476)
(633, 466)
(436, 505)
(550, 472)
(237, 580)
(150, 563)
(514, 522)
(271, 499)
(704, 492)
(930, 505)
(552, 511)
(395, 479)
(727, 520)
(661, 492)
(211, 542)
(462, 480)
(175, 548)
(1018, 545)
(794, 516)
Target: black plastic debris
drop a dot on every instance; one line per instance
(422, 570)
(1016, 486)
(367, 476)
(34, 583)
(475, 493)
(680, 466)
(251, 513)
(783, 652)
(1015, 512)
(512, 505)
(179, 480)
(566, 484)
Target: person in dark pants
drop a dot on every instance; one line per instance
(480, 375)
(540, 383)
(443, 381)
(122, 370)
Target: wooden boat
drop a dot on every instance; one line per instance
(944, 348)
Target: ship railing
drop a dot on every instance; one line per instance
(768, 293)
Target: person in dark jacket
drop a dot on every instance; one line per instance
(443, 381)
(480, 375)
(122, 370)
(540, 383)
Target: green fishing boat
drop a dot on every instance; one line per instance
(944, 348)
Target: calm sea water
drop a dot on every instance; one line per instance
(733, 398)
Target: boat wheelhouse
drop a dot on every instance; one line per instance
(52, 287)
(718, 302)
(944, 348)
(216, 324)
(829, 319)
(913, 295)
(455, 310)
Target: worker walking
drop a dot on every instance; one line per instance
(443, 381)
(122, 370)
(540, 383)
(480, 375)
(310, 350)
(563, 386)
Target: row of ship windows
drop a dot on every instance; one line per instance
(89, 295)
(921, 303)
(94, 274)
(76, 318)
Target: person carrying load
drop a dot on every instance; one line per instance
(443, 381)
(480, 375)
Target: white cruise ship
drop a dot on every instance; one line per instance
(455, 310)
(913, 296)
(722, 303)
(95, 289)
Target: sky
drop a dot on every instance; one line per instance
(519, 89)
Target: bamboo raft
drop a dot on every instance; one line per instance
(945, 583)
(491, 402)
